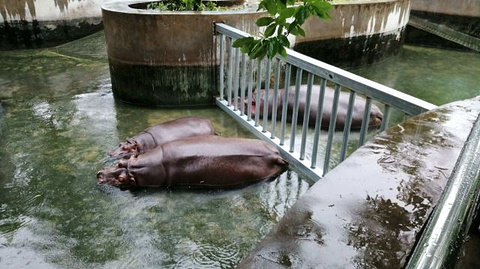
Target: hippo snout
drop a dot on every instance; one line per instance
(115, 175)
(376, 117)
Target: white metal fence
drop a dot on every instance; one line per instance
(241, 80)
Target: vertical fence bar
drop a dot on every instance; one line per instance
(331, 128)
(318, 122)
(259, 87)
(298, 82)
(348, 124)
(243, 83)
(266, 101)
(236, 79)
(250, 89)
(286, 89)
(386, 118)
(365, 121)
(275, 98)
(306, 115)
(229, 72)
(222, 66)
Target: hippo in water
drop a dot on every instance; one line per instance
(376, 115)
(163, 133)
(198, 162)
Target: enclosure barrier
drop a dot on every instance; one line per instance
(444, 233)
(239, 84)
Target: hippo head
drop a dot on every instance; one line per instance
(255, 103)
(117, 176)
(376, 117)
(125, 150)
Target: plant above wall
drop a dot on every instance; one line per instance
(285, 17)
(183, 5)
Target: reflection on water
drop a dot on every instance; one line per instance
(58, 120)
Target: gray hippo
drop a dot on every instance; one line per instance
(163, 133)
(376, 115)
(198, 162)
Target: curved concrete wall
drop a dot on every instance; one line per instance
(43, 23)
(460, 15)
(359, 32)
(166, 59)
(451, 7)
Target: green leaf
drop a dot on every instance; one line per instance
(293, 28)
(264, 21)
(270, 30)
(322, 8)
(282, 51)
(261, 6)
(283, 40)
(301, 15)
(322, 5)
(259, 52)
(280, 5)
(300, 31)
(241, 42)
(280, 30)
(271, 6)
(286, 13)
(272, 48)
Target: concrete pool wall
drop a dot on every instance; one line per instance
(26, 24)
(169, 59)
(358, 33)
(462, 16)
(166, 59)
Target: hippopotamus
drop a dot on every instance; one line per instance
(163, 133)
(376, 115)
(198, 162)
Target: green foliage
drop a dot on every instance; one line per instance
(285, 17)
(183, 5)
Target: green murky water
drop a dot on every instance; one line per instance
(58, 119)
(434, 75)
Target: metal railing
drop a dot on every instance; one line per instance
(242, 78)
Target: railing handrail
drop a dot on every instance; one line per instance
(401, 101)
(450, 220)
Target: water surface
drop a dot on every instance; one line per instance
(58, 120)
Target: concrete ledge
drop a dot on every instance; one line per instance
(369, 211)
